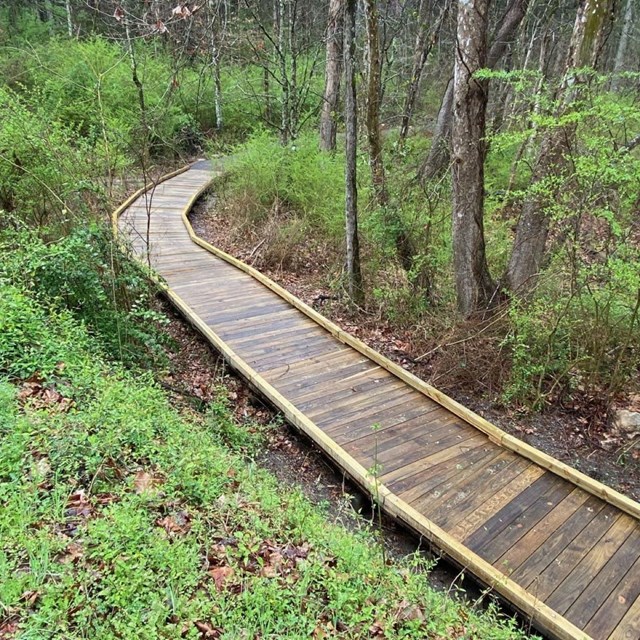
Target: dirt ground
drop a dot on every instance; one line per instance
(577, 434)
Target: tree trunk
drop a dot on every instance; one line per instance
(623, 43)
(425, 41)
(392, 220)
(373, 103)
(214, 52)
(279, 21)
(354, 273)
(533, 226)
(333, 72)
(438, 158)
(474, 287)
(67, 5)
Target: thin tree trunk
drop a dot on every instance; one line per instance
(425, 41)
(268, 110)
(392, 220)
(373, 103)
(474, 287)
(215, 64)
(49, 13)
(335, 36)
(438, 158)
(353, 268)
(279, 20)
(294, 114)
(533, 226)
(67, 5)
(623, 43)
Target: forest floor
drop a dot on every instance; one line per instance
(574, 433)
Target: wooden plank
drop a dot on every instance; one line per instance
(459, 461)
(352, 376)
(474, 520)
(584, 555)
(413, 479)
(531, 540)
(613, 610)
(302, 340)
(362, 426)
(545, 488)
(529, 570)
(339, 393)
(395, 439)
(473, 464)
(526, 521)
(629, 627)
(591, 582)
(343, 430)
(288, 333)
(232, 333)
(315, 370)
(217, 314)
(316, 348)
(360, 404)
(410, 453)
(259, 321)
(452, 513)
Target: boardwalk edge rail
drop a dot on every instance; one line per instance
(541, 615)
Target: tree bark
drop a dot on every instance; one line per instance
(67, 5)
(425, 41)
(474, 287)
(373, 103)
(533, 226)
(214, 52)
(439, 155)
(623, 43)
(335, 36)
(353, 268)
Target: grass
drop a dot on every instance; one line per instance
(123, 518)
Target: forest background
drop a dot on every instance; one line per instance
(462, 177)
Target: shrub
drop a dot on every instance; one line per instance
(86, 274)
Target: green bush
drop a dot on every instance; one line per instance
(46, 171)
(298, 179)
(86, 274)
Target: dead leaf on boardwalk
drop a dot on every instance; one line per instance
(143, 482)
(220, 576)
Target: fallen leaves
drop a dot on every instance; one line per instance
(40, 396)
(207, 630)
(221, 575)
(177, 524)
(78, 505)
(143, 482)
(72, 553)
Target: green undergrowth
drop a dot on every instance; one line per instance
(123, 518)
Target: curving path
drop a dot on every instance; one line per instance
(561, 547)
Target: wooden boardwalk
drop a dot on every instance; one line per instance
(562, 548)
